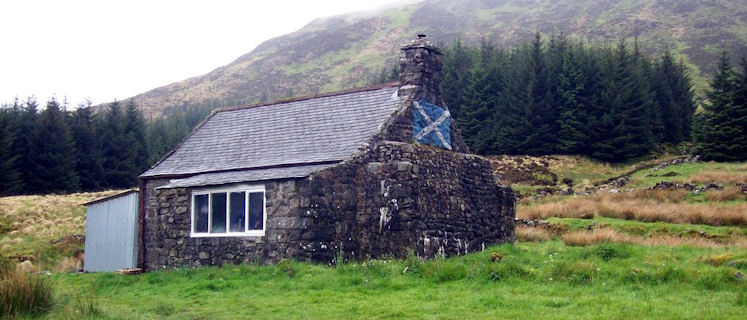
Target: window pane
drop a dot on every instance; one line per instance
(256, 210)
(218, 205)
(201, 213)
(238, 211)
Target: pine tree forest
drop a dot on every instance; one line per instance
(56, 150)
(556, 96)
(547, 96)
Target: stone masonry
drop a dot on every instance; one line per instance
(396, 198)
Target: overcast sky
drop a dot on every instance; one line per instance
(105, 50)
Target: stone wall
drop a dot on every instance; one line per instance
(396, 198)
(401, 198)
(167, 230)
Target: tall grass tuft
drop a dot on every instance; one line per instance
(728, 194)
(585, 238)
(533, 234)
(647, 206)
(22, 293)
(709, 176)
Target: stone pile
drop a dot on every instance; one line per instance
(532, 223)
(663, 165)
(709, 187)
(668, 185)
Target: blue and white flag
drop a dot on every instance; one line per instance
(432, 124)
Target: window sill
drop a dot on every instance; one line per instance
(227, 235)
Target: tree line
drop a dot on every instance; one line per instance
(543, 97)
(56, 150)
(556, 96)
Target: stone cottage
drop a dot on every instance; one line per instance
(366, 173)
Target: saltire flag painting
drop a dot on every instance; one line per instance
(432, 124)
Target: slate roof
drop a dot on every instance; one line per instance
(301, 132)
(219, 178)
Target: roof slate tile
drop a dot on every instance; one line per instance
(329, 128)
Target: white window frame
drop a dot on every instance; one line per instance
(247, 189)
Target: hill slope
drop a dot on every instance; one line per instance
(343, 51)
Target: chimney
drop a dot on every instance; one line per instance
(420, 64)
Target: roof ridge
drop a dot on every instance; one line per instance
(310, 97)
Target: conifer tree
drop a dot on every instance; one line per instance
(540, 112)
(52, 154)
(158, 139)
(87, 147)
(641, 112)
(9, 177)
(137, 135)
(477, 109)
(684, 102)
(623, 130)
(119, 156)
(512, 125)
(456, 68)
(668, 128)
(722, 136)
(571, 134)
(24, 124)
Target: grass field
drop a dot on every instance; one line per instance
(547, 280)
(634, 254)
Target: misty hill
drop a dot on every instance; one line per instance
(346, 51)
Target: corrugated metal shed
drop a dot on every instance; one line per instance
(111, 233)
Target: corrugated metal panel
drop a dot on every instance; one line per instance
(111, 234)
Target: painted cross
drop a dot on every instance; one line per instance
(429, 131)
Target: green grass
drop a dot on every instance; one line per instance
(539, 280)
(647, 178)
(649, 228)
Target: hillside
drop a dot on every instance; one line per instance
(344, 51)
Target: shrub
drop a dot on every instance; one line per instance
(444, 271)
(672, 274)
(576, 273)
(378, 268)
(532, 234)
(609, 251)
(717, 259)
(22, 293)
(286, 267)
(413, 264)
(86, 307)
(506, 270)
(717, 279)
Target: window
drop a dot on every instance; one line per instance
(226, 212)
